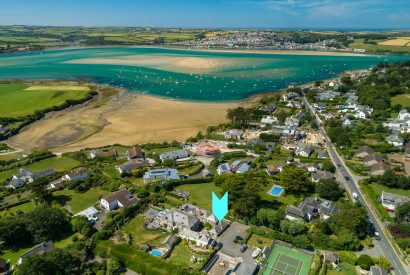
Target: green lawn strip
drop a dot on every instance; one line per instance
(25, 207)
(66, 241)
(347, 269)
(13, 256)
(181, 255)
(15, 101)
(11, 156)
(403, 100)
(370, 193)
(259, 241)
(57, 163)
(201, 194)
(140, 235)
(137, 260)
(79, 201)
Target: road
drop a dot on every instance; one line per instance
(353, 186)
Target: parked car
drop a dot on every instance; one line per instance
(243, 248)
(347, 178)
(219, 246)
(237, 239)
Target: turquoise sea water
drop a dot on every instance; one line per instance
(242, 75)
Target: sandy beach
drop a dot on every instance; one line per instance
(125, 119)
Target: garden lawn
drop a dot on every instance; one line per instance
(25, 207)
(403, 100)
(347, 269)
(181, 255)
(201, 194)
(142, 236)
(253, 241)
(57, 163)
(378, 189)
(79, 201)
(17, 100)
(13, 256)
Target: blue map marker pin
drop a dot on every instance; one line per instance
(219, 206)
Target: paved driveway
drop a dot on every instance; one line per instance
(231, 248)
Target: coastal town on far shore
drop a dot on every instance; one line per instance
(316, 173)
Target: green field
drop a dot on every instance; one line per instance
(283, 260)
(201, 194)
(403, 100)
(15, 101)
(142, 236)
(359, 44)
(347, 269)
(160, 151)
(79, 201)
(378, 189)
(57, 163)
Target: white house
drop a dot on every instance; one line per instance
(403, 115)
(16, 183)
(269, 120)
(391, 201)
(118, 199)
(362, 114)
(303, 151)
(90, 213)
(395, 140)
(79, 174)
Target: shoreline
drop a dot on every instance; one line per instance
(216, 49)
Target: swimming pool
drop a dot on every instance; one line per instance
(276, 191)
(156, 253)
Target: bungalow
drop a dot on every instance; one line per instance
(16, 183)
(346, 121)
(322, 154)
(118, 199)
(40, 174)
(174, 155)
(395, 140)
(391, 201)
(316, 177)
(364, 151)
(234, 134)
(321, 106)
(331, 257)
(103, 153)
(289, 96)
(223, 168)
(79, 174)
(207, 149)
(180, 193)
(40, 249)
(311, 207)
(162, 174)
(372, 159)
(134, 153)
(127, 168)
(242, 168)
(379, 169)
(311, 167)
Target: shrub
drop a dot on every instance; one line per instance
(348, 257)
(365, 261)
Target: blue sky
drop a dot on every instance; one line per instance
(340, 14)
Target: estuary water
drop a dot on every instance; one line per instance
(183, 74)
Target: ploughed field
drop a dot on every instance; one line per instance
(184, 74)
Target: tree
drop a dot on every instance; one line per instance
(281, 115)
(365, 261)
(45, 223)
(56, 261)
(270, 218)
(82, 225)
(295, 180)
(13, 231)
(328, 166)
(329, 189)
(113, 267)
(168, 163)
(384, 263)
(402, 213)
(292, 227)
(353, 219)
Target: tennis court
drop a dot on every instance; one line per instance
(286, 261)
